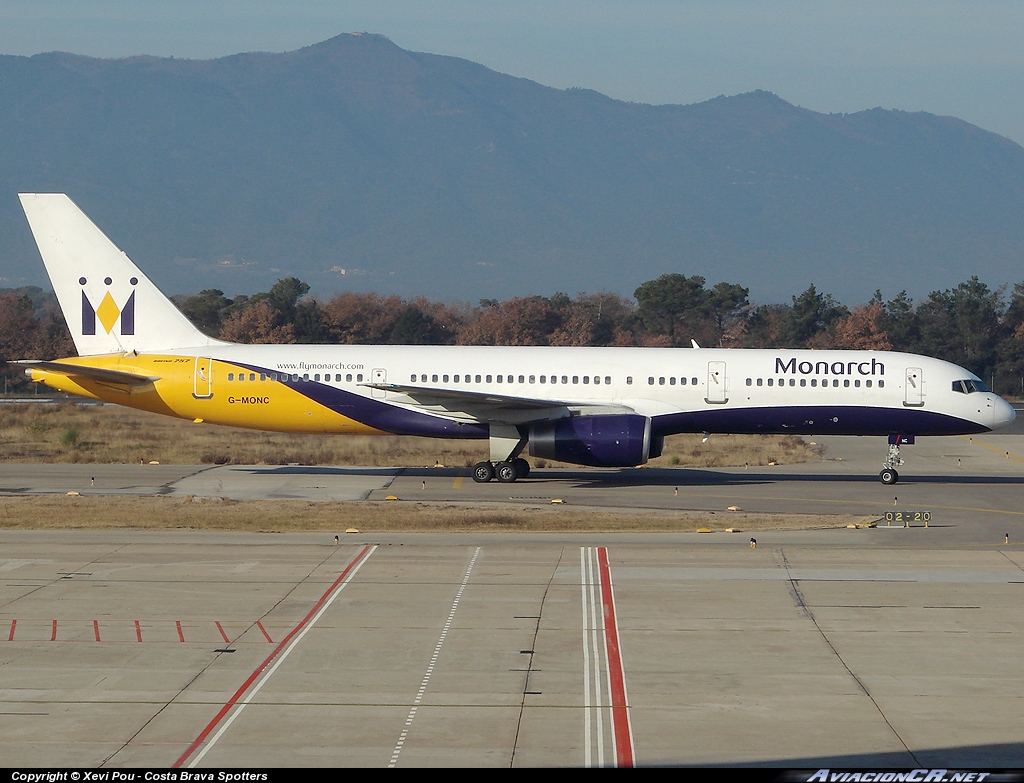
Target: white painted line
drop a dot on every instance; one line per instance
(433, 662)
(262, 674)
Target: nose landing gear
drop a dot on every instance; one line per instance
(888, 475)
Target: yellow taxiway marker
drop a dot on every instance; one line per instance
(992, 449)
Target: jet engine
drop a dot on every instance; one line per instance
(618, 441)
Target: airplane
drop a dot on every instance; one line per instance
(600, 407)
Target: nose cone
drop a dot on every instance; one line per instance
(1002, 413)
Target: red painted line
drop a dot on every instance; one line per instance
(138, 631)
(620, 709)
(181, 634)
(10, 636)
(264, 631)
(96, 629)
(53, 633)
(259, 669)
(220, 628)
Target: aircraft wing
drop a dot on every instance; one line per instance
(502, 407)
(100, 374)
(428, 395)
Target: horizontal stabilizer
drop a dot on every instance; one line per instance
(92, 373)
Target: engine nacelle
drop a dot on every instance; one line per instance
(619, 441)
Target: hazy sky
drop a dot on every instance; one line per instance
(959, 58)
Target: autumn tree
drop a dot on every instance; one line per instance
(528, 320)
(257, 323)
(858, 330)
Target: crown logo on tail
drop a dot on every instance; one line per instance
(108, 311)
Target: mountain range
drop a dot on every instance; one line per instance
(354, 164)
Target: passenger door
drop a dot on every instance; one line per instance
(913, 388)
(716, 393)
(202, 378)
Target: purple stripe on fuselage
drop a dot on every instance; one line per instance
(375, 413)
(815, 420)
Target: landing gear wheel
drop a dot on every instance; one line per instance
(483, 472)
(522, 467)
(506, 472)
(888, 476)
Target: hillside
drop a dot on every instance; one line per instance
(421, 174)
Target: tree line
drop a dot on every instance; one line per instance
(972, 325)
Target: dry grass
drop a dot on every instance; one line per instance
(111, 434)
(42, 512)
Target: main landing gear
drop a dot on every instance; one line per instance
(505, 471)
(507, 442)
(892, 461)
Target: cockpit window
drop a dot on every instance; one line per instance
(969, 386)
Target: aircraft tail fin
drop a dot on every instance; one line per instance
(110, 306)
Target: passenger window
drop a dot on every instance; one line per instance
(814, 382)
(348, 377)
(803, 381)
(760, 381)
(749, 382)
(792, 381)
(543, 379)
(693, 381)
(607, 380)
(575, 379)
(231, 376)
(263, 376)
(881, 383)
(629, 380)
(359, 378)
(650, 381)
(867, 383)
(433, 379)
(533, 378)
(478, 379)
(522, 379)
(771, 381)
(586, 379)
(682, 381)
(661, 381)
(597, 379)
(857, 383)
